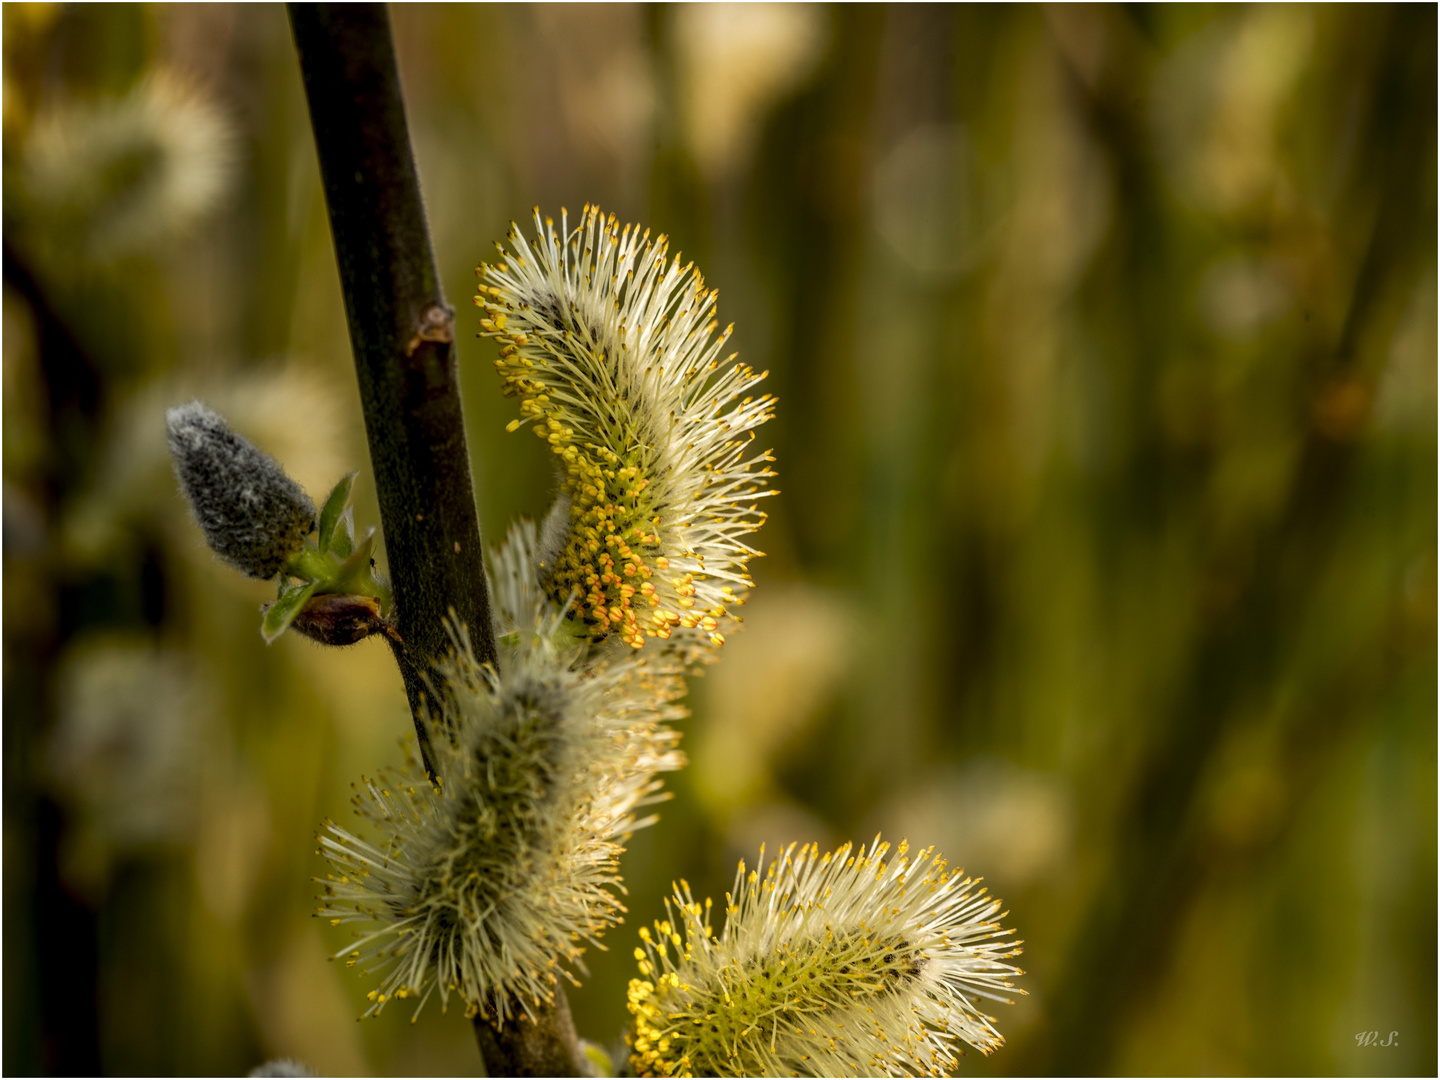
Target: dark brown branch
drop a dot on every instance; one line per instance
(545, 1047)
(402, 333)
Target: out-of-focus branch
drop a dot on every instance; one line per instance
(1136, 919)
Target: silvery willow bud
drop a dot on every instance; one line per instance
(253, 515)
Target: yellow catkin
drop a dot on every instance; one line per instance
(827, 966)
(487, 883)
(611, 352)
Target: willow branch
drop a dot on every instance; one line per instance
(546, 1046)
(402, 333)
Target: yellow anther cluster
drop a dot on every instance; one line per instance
(612, 550)
(652, 1048)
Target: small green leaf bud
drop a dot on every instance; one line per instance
(253, 515)
(279, 615)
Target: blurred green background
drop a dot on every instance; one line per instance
(1105, 343)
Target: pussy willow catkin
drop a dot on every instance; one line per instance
(611, 348)
(839, 964)
(485, 883)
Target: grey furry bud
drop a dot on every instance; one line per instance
(253, 515)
